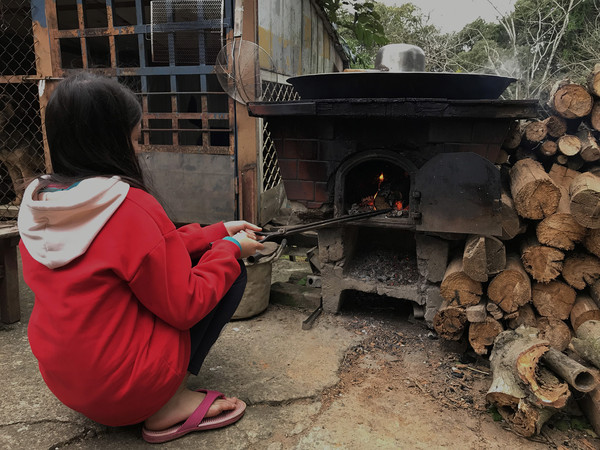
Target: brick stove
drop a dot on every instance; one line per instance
(439, 155)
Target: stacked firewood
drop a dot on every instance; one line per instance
(531, 297)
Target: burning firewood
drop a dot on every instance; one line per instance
(534, 194)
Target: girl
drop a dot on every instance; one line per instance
(122, 315)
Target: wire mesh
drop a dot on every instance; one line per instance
(21, 149)
(270, 163)
(278, 92)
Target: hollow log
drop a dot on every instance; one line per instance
(542, 262)
(595, 115)
(560, 229)
(548, 148)
(587, 341)
(578, 376)
(483, 256)
(525, 317)
(568, 145)
(581, 269)
(584, 309)
(554, 331)
(592, 242)
(513, 137)
(512, 225)
(457, 287)
(535, 132)
(585, 200)
(590, 150)
(534, 193)
(590, 406)
(554, 299)
(450, 321)
(570, 100)
(556, 126)
(593, 81)
(514, 360)
(511, 288)
(482, 334)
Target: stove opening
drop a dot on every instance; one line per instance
(375, 185)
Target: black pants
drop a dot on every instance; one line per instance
(205, 333)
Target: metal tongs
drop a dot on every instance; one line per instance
(294, 229)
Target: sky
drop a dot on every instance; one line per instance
(453, 15)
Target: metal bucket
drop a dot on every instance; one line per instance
(258, 288)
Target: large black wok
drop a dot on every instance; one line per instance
(378, 84)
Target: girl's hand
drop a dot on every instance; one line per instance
(234, 227)
(248, 243)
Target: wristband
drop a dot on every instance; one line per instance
(230, 239)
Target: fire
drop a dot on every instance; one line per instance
(381, 178)
(378, 186)
(398, 205)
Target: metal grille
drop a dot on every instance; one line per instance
(270, 163)
(21, 150)
(278, 92)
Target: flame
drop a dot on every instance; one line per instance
(381, 178)
(398, 205)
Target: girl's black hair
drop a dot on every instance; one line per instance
(89, 121)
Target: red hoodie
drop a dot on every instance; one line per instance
(110, 326)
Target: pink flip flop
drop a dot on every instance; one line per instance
(197, 421)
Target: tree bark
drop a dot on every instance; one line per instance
(587, 342)
(585, 200)
(511, 288)
(554, 299)
(578, 376)
(482, 334)
(457, 287)
(450, 321)
(483, 256)
(568, 145)
(543, 263)
(556, 126)
(555, 331)
(570, 100)
(590, 150)
(595, 115)
(534, 194)
(511, 222)
(584, 309)
(581, 269)
(593, 81)
(590, 406)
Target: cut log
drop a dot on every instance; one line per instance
(593, 81)
(584, 309)
(513, 137)
(556, 126)
(548, 148)
(482, 334)
(554, 299)
(590, 406)
(581, 269)
(543, 263)
(554, 331)
(483, 256)
(568, 145)
(560, 229)
(512, 224)
(526, 317)
(534, 193)
(590, 150)
(450, 321)
(570, 100)
(535, 132)
(457, 287)
(561, 159)
(511, 288)
(592, 242)
(476, 313)
(514, 362)
(595, 115)
(587, 342)
(578, 376)
(595, 292)
(502, 158)
(585, 200)
(494, 310)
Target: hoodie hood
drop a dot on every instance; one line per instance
(57, 227)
